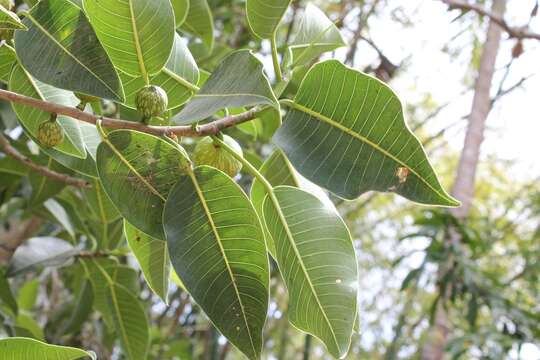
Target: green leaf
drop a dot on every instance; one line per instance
(346, 132)
(264, 16)
(315, 35)
(25, 325)
(100, 204)
(17, 348)
(277, 170)
(238, 81)
(153, 258)
(82, 308)
(316, 257)
(43, 187)
(85, 166)
(61, 48)
(27, 295)
(129, 321)
(99, 286)
(6, 296)
(137, 171)
(138, 35)
(8, 58)
(200, 22)
(181, 9)
(9, 20)
(22, 83)
(178, 78)
(217, 248)
(11, 166)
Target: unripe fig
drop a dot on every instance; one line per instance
(209, 153)
(151, 101)
(50, 133)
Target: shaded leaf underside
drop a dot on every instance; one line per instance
(346, 132)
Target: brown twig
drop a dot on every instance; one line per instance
(513, 32)
(43, 170)
(207, 129)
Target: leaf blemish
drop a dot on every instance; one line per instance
(402, 173)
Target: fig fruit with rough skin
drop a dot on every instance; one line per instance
(209, 153)
(8, 4)
(151, 101)
(50, 133)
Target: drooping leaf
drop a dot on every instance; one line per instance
(60, 48)
(82, 308)
(130, 322)
(153, 258)
(178, 78)
(6, 296)
(316, 257)
(9, 20)
(217, 248)
(200, 22)
(99, 285)
(27, 326)
(41, 251)
(264, 16)
(137, 171)
(30, 117)
(315, 35)
(278, 171)
(18, 348)
(238, 81)
(181, 9)
(8, 58)
(346, 132)
(138, 35)
(27, 294)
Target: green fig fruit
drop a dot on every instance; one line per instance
(209, 153)
(50, 133)
(8, 4)
(151, 101)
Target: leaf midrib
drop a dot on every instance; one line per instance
(120, 323)
(356, 135)
(138, 48)
(222, 250)
(132, 169)
(283, 220)
(35, 22)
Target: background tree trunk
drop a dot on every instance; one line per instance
(463, 188)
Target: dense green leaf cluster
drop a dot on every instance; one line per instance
(344, 132)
